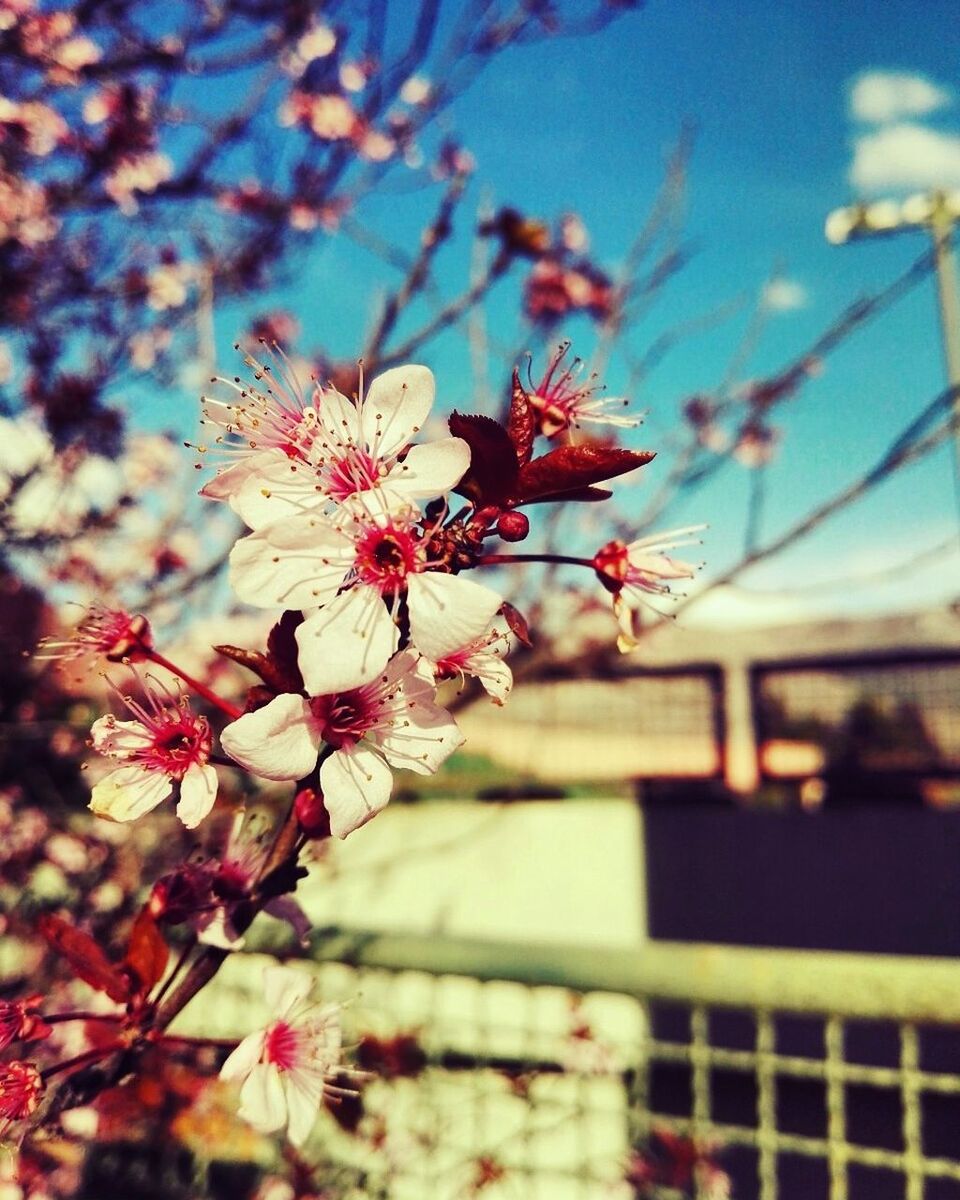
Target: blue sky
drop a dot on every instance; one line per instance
(585, 125)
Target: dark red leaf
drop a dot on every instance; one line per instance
(517, 623)
(569, 467)
(492, 476)
(278, 667)
(578, 494)
(87, 961)
(147, 953)
(521, 424)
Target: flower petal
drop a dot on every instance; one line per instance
(448, 611)
(129, 792)
(395, 407)
(495, 676)
(338, 423)
(285, 908)
(421, 739)
(198, 790)
(241, 1061)
(279, 488)
(356, 785)
(119, 739)
(229, 480)
(284, 988)
(262, 1101)
(347, 642)
(430, 469)
(278, 741)
(304, 1096)
(296, 563)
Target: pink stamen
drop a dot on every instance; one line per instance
(283, 1046)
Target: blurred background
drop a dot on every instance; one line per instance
(682, 921)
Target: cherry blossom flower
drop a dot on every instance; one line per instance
(166, 744)
(283, 1069)
(392, 722)
(115, 634)
(554, 290)
(133, 173)
(167, 285)
(639, 570)
(21, 1086)
(25, 215)
(297, 459)
(329, 116)
(232, 879)
(41, 127)
(481, 657)
(756, 444)
(19, 1021)
(562, 402)
(303, 562)
(268, 426)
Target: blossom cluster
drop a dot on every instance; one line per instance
(361, 539)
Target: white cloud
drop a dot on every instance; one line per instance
(784, 295)
(905, 156)
(883, 96)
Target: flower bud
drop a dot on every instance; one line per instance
(513, 526)
(313, 817)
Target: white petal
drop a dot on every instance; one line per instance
(304, 1097)
(129, 792)
(296, 563)
(241, 1061)
(120, 739)
(356, 784)
(448, 611)
(430, 469)
(284, 988)
(280, 488)
(424, 735)
(229, 480)
(278, 741)
(496, 677)
(338, 423)
(395, 408)
(347, 642)
(198, 790)
(262, 1102)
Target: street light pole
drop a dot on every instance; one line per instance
(937, 213)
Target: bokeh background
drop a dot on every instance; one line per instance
(677, 922)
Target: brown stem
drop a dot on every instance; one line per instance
(81, 1060)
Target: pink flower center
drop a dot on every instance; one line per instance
(345, 718)
(282, 1046)
(386, 556)
(20, 1088)
(180, 740)
(355, 471)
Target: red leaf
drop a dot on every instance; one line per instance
(492, 477)
(147, 953)
(85, 957)
(521, 424)
(570, 467)
(584, 494)
(517, 623)
(278, 667)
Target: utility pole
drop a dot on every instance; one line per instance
(937, 213)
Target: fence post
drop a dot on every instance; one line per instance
(741, 760)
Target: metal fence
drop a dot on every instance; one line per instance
(891, 714)
(816, 1075)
